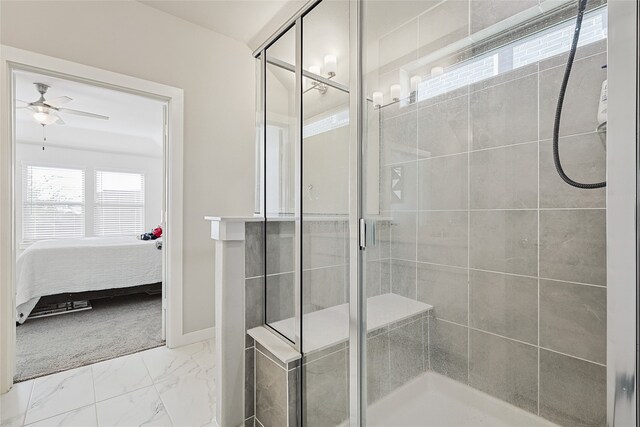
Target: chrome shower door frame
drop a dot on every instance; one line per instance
(623, 224)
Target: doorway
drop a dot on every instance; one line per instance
(98, 217)
(89, 190)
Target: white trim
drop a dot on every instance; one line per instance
(195, 336)
(12, 58)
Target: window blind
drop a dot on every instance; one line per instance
(53, 203)
(119, 204)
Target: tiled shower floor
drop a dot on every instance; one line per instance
(435, 400)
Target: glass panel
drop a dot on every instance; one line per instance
(325, 225)
(486, 272)
(326, 41)
(279, 182)
(259, 148)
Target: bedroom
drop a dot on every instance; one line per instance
(89, 191)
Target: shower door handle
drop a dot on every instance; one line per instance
(362, 234)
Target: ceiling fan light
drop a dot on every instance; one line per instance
(45, 118)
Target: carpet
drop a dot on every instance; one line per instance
(114, 327)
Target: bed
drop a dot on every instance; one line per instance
(51, 267)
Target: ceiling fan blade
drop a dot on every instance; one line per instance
(59, 121)
(84, 113)
(56, 102)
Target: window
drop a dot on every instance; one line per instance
(53, 203)
(537, 47)
(119, 204)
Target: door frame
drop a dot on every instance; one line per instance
(623, 220)
(17, 59)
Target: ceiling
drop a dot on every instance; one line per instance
(241, 20)
(134, 126)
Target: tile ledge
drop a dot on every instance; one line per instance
(233, 218)
(276, 346)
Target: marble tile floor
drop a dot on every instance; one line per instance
(157, 387)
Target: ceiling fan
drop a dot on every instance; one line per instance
(46, 112)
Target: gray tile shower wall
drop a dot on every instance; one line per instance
(325, 273)
(482, 228)
(276, 393)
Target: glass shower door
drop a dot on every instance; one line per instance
(280, 166)
(484, 272)
(325, 215)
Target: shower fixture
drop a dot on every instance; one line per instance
(582, 5)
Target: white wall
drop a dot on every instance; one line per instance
(151, 167)
(217, 75)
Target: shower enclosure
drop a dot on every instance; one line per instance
(420, 250)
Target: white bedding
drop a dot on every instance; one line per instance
(52, 267)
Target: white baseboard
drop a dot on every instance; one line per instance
(194, 337)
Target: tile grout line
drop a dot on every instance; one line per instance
(155, 387)
(416, 215)
(24, 417)
(524, 342)
(26, 412)
(469, 145)
(502, 273)
(487, 210)
(538, 246)
(63, 413)
(477, 150)
(93, 384)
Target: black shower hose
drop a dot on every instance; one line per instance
(582, 5)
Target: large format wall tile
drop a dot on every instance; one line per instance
(403, 235)
(377, 366)
(584, 159)
(448, 346)
(280, 295)
(443, 183)
(325, 386)
(505, 114)
(485, 13)
(280, 237)
(249, 382)
(372, 278)
(573, 245)
(504, 241)
(443, 128)
(504, 304)
(254, 249)
(253, 303)
(398, 47)
(572, 391)
(445, 288)
(443, 237)
(505, 369)
(573, 319)
(399, 138)
(271, 392)
(323, 243)
(324, 287)
(406, 353)
(379, 248)
(403, 278)
(504, 178)
(444, 24)
(580, 111)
